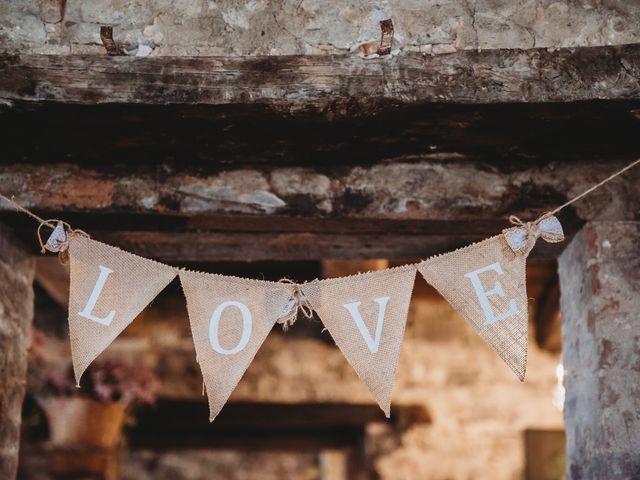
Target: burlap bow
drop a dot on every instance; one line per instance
(58, 241)
(522, 238)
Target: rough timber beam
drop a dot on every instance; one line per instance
(340, 85)
(408, 209)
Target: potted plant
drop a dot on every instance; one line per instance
(94, 415)
(85, 423)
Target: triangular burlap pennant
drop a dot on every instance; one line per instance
(366, 316)
(230, 319)
(485, 283)
(109, 288)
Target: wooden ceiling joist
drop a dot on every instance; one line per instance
(328, 83)
(398, 210)
(295, 426)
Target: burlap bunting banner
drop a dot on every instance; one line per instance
(366, 316)
(230, 319)
(109, 288)
(485, 283)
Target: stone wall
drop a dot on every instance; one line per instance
(220, 465)
(600, 275)
(258, 27)
(16, 313)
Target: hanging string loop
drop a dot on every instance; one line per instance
(61, 231)
(59, 238)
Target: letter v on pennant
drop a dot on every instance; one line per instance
(366, 315)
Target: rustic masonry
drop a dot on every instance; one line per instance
(600, 279)
(16, 314)
(294, 27)
(165, 216)
(242, 131)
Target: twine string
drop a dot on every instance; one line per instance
(532, 230)
(52, 223)
(20, 208)
(516, 221)
(529, 225)
(595, 187)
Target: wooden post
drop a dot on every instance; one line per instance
(16, 314)
(600, 305)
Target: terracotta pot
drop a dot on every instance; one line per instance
(82, 422)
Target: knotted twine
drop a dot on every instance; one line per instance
(522, 238)
(298, 303)
(58, 241)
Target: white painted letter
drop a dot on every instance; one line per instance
(353, 309)
(215, 322)
(93, 299)
(483, 295)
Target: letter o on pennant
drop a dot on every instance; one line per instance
(215, 323)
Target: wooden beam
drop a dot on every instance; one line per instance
(393, 210)
(332, 84)
(520, 135)
(177, 248)
(413, 190)
(179, 424)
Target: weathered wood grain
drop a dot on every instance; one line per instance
(391, 210)
(342, 85)
(294, 426)
(515, 135)
(405, 190)
(177, 248)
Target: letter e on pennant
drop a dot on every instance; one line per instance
(499, 313)
(483, 295)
